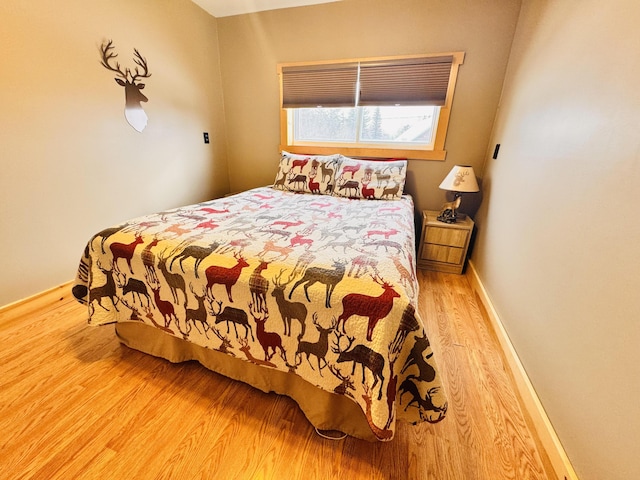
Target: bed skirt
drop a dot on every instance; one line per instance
(324, 410)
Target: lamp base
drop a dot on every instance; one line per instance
(461, 217)
(448, 216)
(449, 213)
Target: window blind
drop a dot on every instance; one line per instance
(410, 81)
(327, 85)
(398, 81)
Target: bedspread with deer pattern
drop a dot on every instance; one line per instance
(319, 286)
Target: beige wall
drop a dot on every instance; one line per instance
(558, 234)
(71, 165)
(252, 45)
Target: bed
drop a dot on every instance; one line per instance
(306, 288)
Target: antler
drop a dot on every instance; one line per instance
(218, 334)
(107, 54)
(142, 62)
(279, 284)
(210, 300)
(380, 281)
(105, 270)
(337, 348)
(460, 177)
(337, 372)
(367, 393)
(239, 257)
(163, 256)
(204, 291)
(119, 277)
(255, 312)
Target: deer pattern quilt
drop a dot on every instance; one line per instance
(318, 286)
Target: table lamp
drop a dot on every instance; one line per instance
(461, 179)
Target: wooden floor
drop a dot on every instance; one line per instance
(75, 404)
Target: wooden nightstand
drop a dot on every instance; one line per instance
(443, 246)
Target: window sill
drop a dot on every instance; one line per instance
(417, 154)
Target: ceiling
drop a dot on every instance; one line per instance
(226, 8)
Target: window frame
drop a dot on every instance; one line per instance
(437, 152)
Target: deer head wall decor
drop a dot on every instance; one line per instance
(130, 80)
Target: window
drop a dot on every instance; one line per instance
(380, 107)
(394, 126)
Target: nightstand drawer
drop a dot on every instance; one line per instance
(447, 236)
(440, 253)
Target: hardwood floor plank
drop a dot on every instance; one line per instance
(74, 403)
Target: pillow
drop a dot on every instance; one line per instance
(307, 173)
(382, 180)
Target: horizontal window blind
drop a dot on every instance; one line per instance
(411, 81)
(328, 85)
(397, 81)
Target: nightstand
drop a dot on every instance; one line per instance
(443, 246)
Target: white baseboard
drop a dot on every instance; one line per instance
(546, 433)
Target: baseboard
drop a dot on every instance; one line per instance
(10, 306)
(546, 433)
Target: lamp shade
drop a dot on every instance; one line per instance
(461, 178)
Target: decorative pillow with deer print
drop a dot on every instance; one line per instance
(307, 173)
(371, 180)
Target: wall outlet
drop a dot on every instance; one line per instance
(206, 137)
